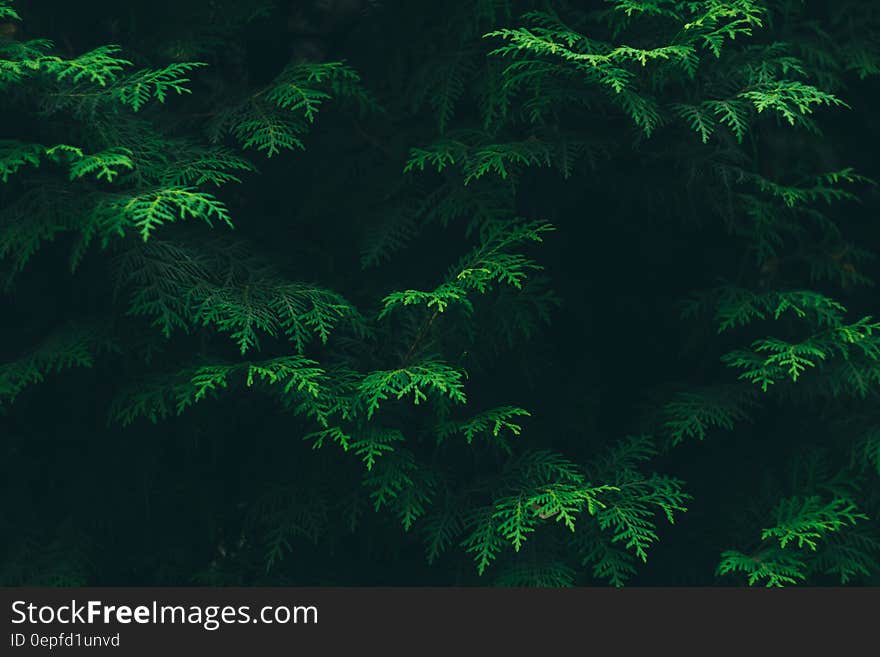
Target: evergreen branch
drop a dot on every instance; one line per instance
(195, 165)
(554, 574)
(441, 529)
(488, 423)
(8, 12)
(140, 87)
(693, 413)
(70, 347)
(172, 394)
(790, 98)
(105, 164)
(15, 154)
(477, 271)
(807, 520)
(150, 210)
(774, 565)
(415, 380)
(483, 541)
(99, 66)
(373, 443)
(299, 310)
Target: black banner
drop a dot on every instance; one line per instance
(151, 621)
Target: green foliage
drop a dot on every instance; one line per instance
(542, 487)
(95, 76)
(790, 99)
(620, 70)
(14, 155)
(98, 66)
(480, 160)
(629, 513)
(394, 233)
(778, 568)
(770, 359)
(478, 156)
(273, 118)
(550, 575)
(398, 481)
(153, 209)
(739, 307)
(141, 87)
(172, 394)
(430, 375)
(868, 450)
(693, 414)
(483, 541)
(553, 490)
(489, 263)
(441, 530)
(671, 143)
(62, 560)
(849, 558)
(301, 311)
(180, 286)
(101, 165)
(373, 443)
(69, 347)
(197, 165)
(6, 11)
(609, 563)
(806, 522)
(491, 423)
